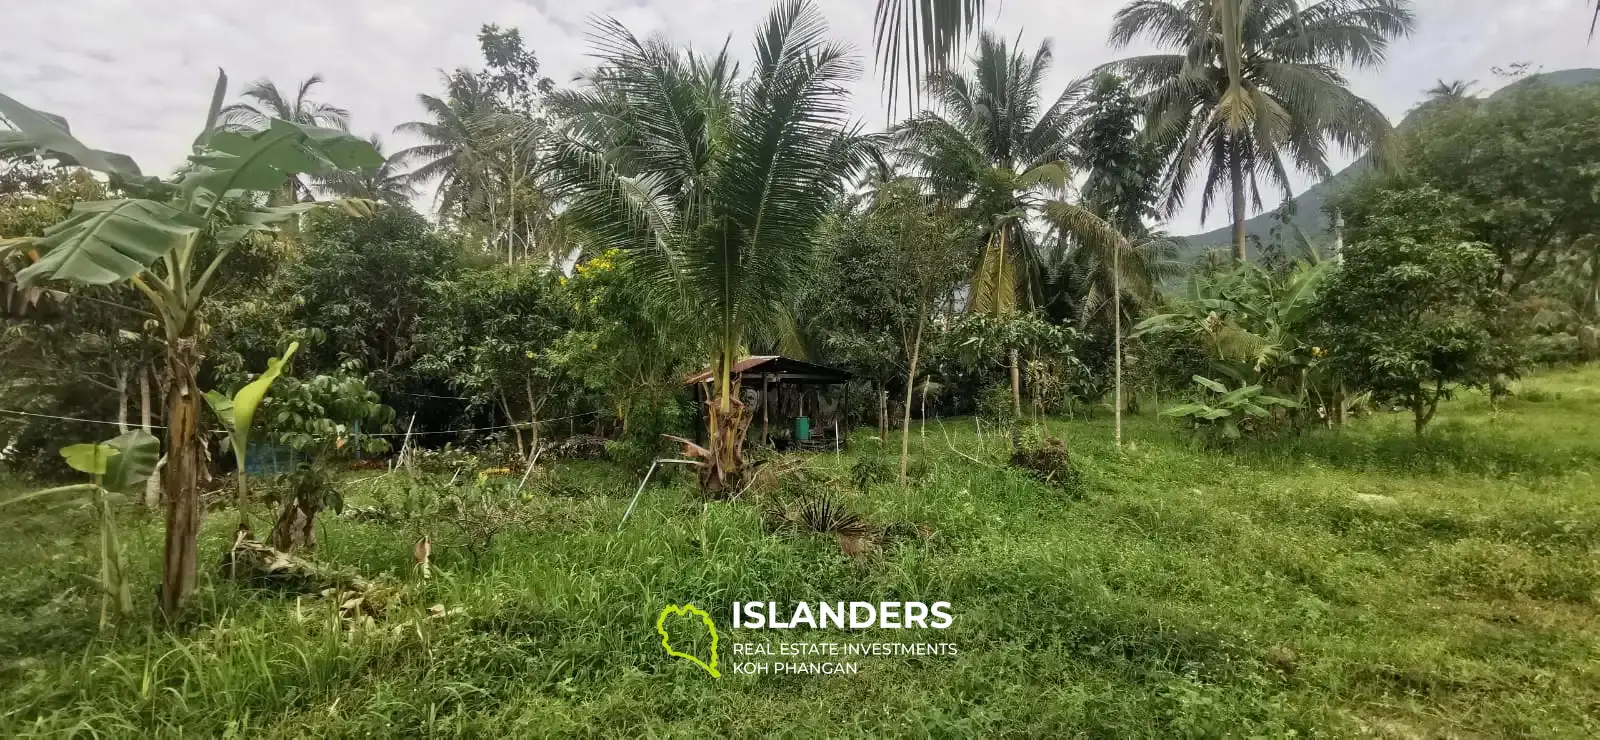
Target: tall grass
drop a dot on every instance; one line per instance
(1349, 582)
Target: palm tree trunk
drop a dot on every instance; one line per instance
(1116, 334)
(726, 422)
(1236, 179)
(1016, 383)
(911, 387)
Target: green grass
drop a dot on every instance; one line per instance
(1354, 583)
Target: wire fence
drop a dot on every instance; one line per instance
(132, 425)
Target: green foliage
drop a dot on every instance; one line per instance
(983, 341)
(825, 514)
(492, 334)
(996, 407)
(136, 455)
(40, 134)
(1221, 416)
(1412, 312)
(629, 356)
(1518, 170)
(320, 415)
(315, 293)
(1003, 170)
(887, 271)
(316, 484)
(238, 412)
(89, 458)
(1277, 590)
(1248, 83)
(872, 468)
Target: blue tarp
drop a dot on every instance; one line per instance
(268, 459)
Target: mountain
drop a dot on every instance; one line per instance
(1308, 216)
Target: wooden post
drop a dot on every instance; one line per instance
(766, 436)
(845, 414)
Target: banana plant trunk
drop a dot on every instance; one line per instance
(182, 478)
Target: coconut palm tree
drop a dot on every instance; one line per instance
(995, 150)
(1451, 91)
(482, 159)
(711, 183)
(386, 182)
(455, 154)
(1253, 87)
(917, 37)
(263, 101)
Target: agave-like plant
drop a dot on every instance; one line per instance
(710, 184)
(170, 239)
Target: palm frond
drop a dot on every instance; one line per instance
(912, 37)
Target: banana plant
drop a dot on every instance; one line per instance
(236, 414)
(1222, 416)
(1251, 322)
(170, 239)
(115, 467)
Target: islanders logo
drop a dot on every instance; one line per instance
(666, 640)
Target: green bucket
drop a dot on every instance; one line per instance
(802, 428)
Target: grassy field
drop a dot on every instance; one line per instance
(1360, 583)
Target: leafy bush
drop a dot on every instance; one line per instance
(444, 460)
(996, 407)
(872, 467)
(1416, 311)
(1222, 416)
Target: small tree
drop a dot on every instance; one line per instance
(490, 334)
(892, 268)
(1410, 313)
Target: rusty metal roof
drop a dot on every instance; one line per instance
(785, 370)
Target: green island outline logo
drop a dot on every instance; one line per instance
(690, 609)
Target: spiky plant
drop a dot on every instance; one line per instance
(825, 514)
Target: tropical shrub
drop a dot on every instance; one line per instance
(1222, 416)
(1414, 311)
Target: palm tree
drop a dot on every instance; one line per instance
(386, 182)
(263, 101)
(711, 183)
(1252, 81)
(454, 156)
(483, 160)
(994, 150)
(917, 37)
(1451, 91)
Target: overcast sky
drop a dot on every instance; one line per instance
(134, 76)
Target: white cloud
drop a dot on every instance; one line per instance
(135, 76)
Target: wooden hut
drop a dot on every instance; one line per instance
(795, 404)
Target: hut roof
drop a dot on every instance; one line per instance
(778, 369)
